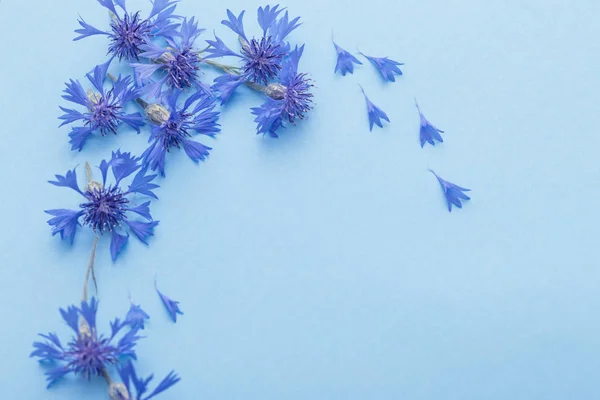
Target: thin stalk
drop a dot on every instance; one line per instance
(90, 269)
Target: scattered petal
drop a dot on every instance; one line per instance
(386, 67)
(171, 305)
(345, 61)
(428, 133)
(376, 114)
(453, 193)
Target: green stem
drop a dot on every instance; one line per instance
(90, 268)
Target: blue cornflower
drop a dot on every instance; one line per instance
(105, 108)
(128, 33)
(345, 61)
(376, 114)
(88, 353)
(173, 126)
(123, 391)
(178, 64)
(262, 58)
(428, 132)
(107, 208)
(386, 67)
(172, 306)
(288, 100)
(453, 193)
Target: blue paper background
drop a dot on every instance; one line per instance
(324, 264)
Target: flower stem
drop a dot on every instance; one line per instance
(223, 67)
(90, 268)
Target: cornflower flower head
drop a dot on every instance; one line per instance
(135, 388)
(108, 208)
(261, 58)
(88, 353)
(173, 126)
(288, 100)
(177, 66)
(129, 31)
(105, 109)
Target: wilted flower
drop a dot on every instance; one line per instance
(107, 208)
(345, 61)
(288, 100)
(386, 67)
(177, 65)
(173, 127)
(128, 33)
(376, 114)
(130, 379)
(262, 58)
(428, 132)
(453, 193)
(88, 353)
(105, 108)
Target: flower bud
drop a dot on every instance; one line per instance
(157, 114)
(117, 391)
(276, 91)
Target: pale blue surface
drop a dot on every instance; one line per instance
(324, 265)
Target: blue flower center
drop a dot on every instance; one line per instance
(183, 68)
(105, 114)
(298, 99)
(174, 132)
(105, 208)
(263, 59)
(128, 35)
(89, 356)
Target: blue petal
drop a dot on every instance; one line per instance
(226, 84)
(56, 374)
(99, 76)
(136, 317)
(65, 222)
(166, 383)
(268, 116)
(453, 193)
(375, 113)
(142, 184)
(196, 151)
(171, 305)
(154, 157)
(88, 312)
(285, 27)
(345, 61)
(143, 230)
(160, 5)
(123, 165)
(135, 120)
(108, 4)
(219, 49)
(78, 136)
(267, 17)
(235, 24)
(69, 180)
(75, 93)
(70, 116)
(143, 210)
(386, 67)
(117, 243)
(71, 317)
(88, 30)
